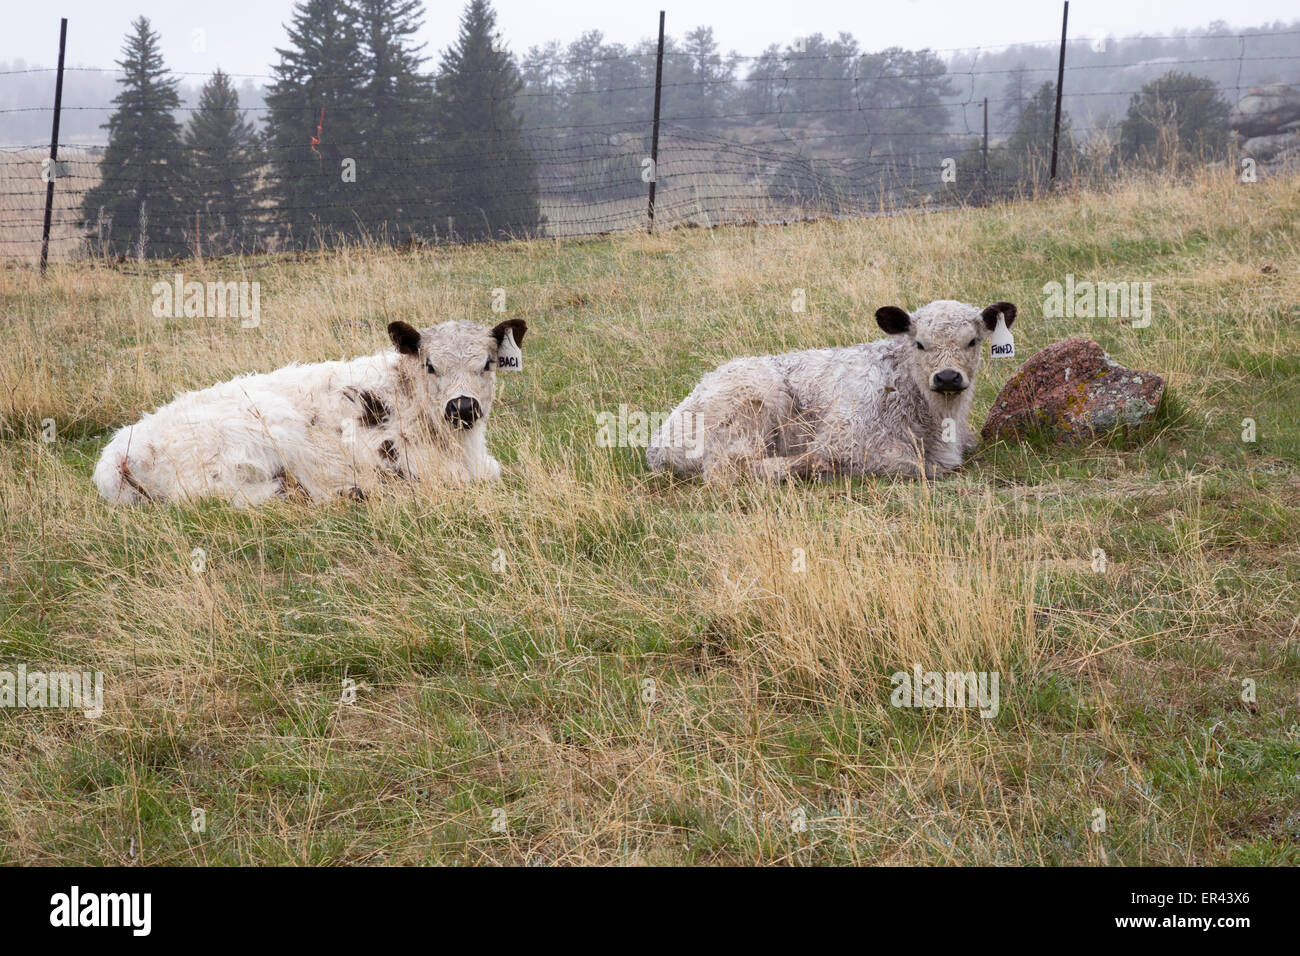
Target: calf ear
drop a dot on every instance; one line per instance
(1004, 309)
(405, 337)
(893, 319)
(517, 326)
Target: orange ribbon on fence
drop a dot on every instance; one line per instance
(315, 140)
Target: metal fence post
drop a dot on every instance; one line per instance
(654, 136)
(986, 144)
(54, 148)
(1060, 79)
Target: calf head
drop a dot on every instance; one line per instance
(450, 369)
(945, 337)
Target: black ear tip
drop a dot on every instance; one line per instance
(405, 337)
(1004, 310)
(517, 327)
(892, 319)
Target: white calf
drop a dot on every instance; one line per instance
(899, 405)
(322, 429)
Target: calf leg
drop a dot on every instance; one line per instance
(741, 440)
(905, 460)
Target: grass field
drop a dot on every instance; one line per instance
(590, 664)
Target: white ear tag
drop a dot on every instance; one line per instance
(509, 356)
(1002, 345)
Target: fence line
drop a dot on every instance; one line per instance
(829, 147)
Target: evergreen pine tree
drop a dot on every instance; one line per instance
(763, 82)
(1015, 94)
(318, 83)
(1033, 133)
(143, 170)
(904, 92)
(1024, 161)
(1029, 148)
(488, 177)
(706, 92)
(584, 58)
(224, 157)
(1177, 116)
(545, 81)
(396, 181)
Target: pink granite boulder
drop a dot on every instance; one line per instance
(1073, 390)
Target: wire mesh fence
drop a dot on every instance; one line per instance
(785, 135)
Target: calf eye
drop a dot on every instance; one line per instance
(488, 366)
(971, 343)
(920, 346)
(430, 369)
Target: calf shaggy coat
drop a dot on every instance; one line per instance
(899, 405)
(322, 429)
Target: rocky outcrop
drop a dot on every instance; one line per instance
(1072, 390)
(1266, 110)
(1268, 149)
(1267, 123)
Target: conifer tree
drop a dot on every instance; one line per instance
(1024, 160)
(1015, 94)
(224, 156)
(397, 176)
(488, 177)
(1176, 117)
(318, 85)
(138, 205)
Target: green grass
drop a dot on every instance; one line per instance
(649, 680)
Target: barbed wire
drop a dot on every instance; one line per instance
(786, 53)
(778, 78)
(838, 150)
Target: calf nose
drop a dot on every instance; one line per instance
(463, 411)
(949, 380)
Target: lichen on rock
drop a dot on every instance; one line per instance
(1073, 390)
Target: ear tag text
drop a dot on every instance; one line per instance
(509, 356)
(1001, 344)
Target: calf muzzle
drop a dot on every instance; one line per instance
(949, 381)
(463, 412)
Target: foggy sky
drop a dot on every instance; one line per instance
(240, 36)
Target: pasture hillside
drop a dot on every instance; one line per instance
(590, 664)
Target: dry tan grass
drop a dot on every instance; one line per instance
(765, 733)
